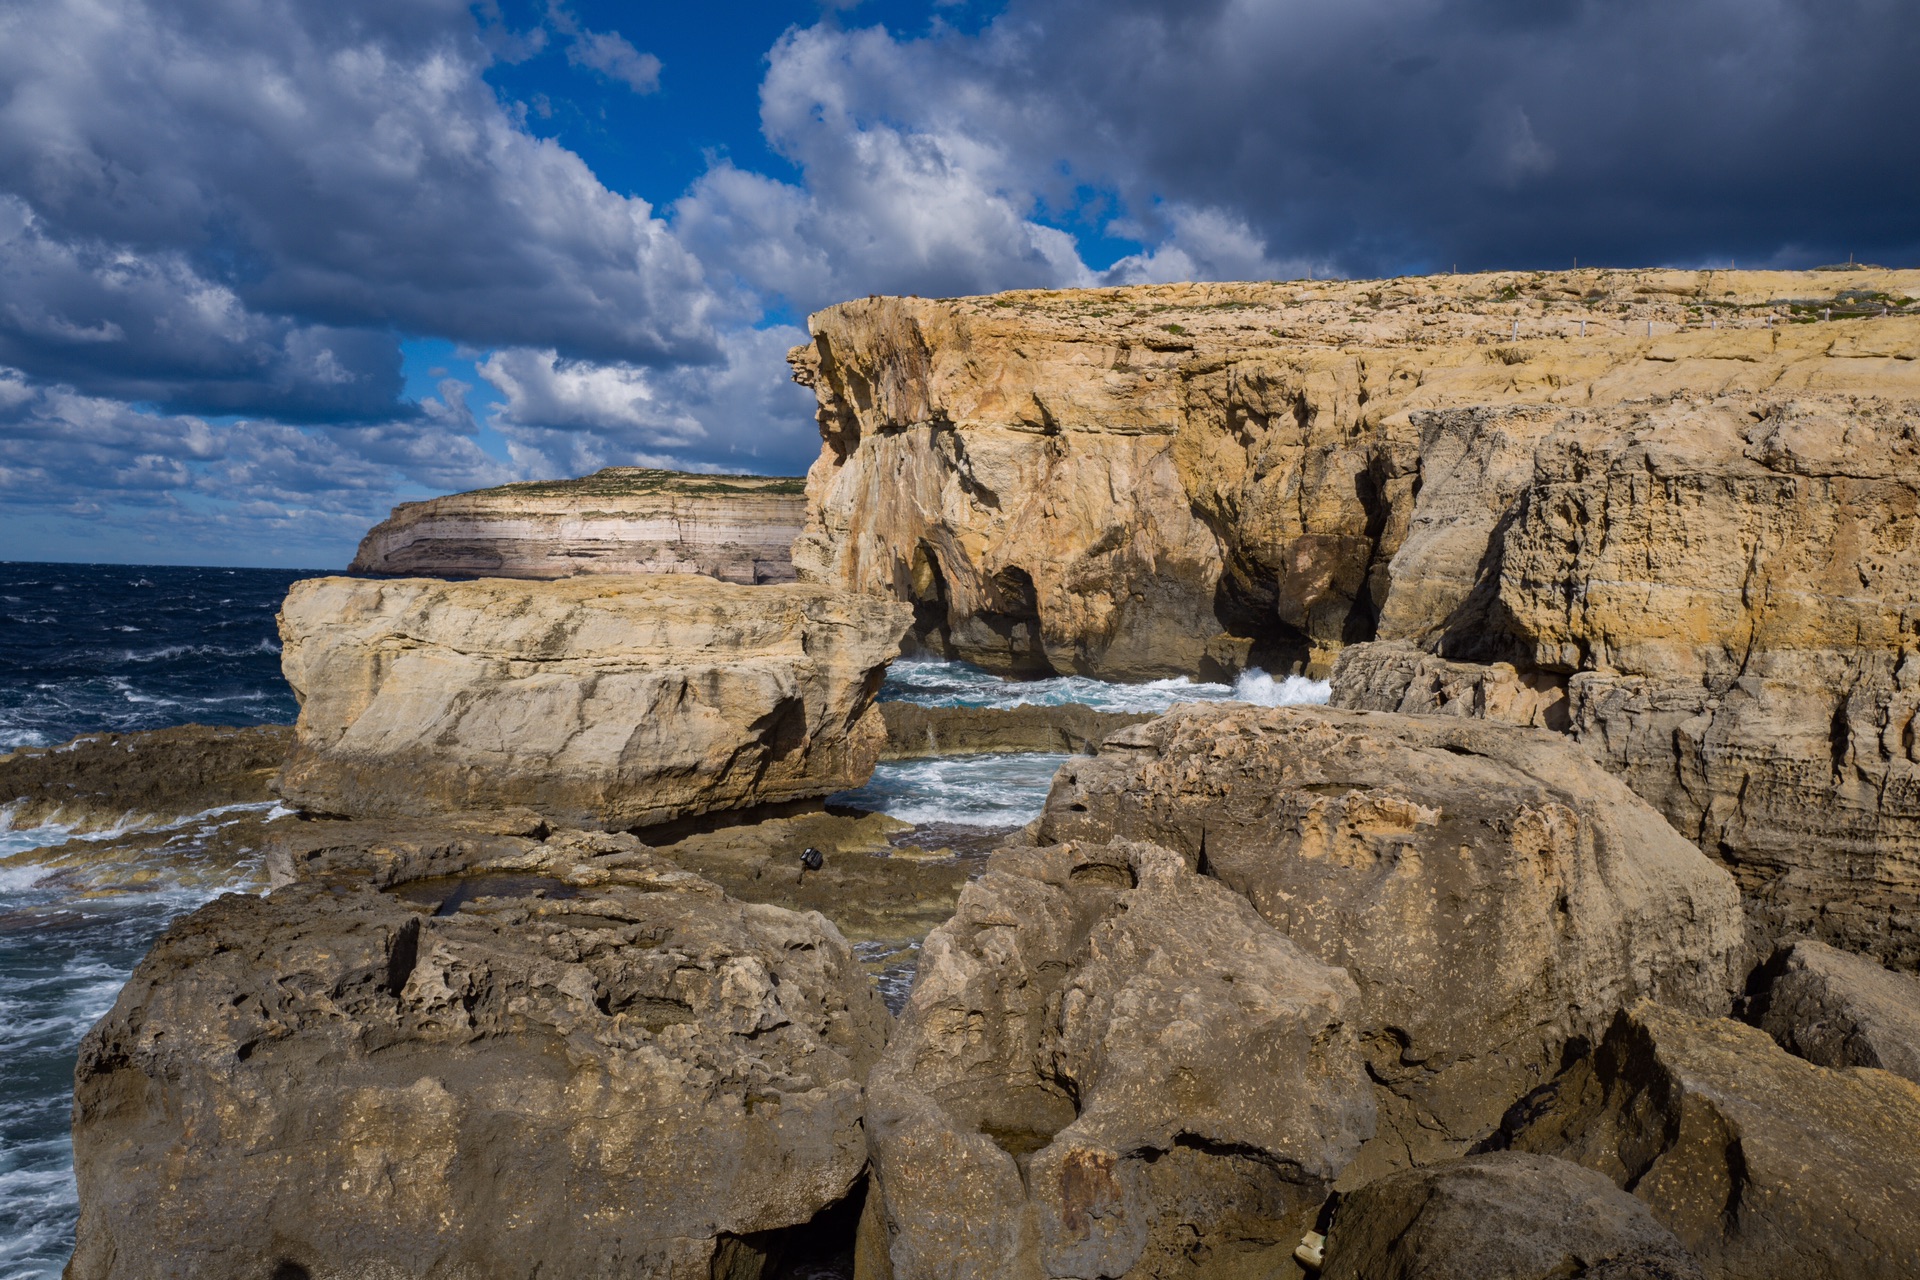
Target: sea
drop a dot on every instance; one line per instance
(113, 648)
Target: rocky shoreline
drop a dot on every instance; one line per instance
(1578, 937)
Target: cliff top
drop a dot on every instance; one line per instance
(1415, 309)
(633, 482)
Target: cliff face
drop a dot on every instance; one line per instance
(1154, 481)
(618, 520)
(1690, 535)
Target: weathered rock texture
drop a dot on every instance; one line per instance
(1070, 728)
(1495, 893)
(1697, 546)
(575, 1060)
(594, 702)
(1504, 1216)
(618, 520)
(1109, 1066)
(131, 781)
(1766, 1167)
(1150, 481)
(1724, 607)
(1840, 1010)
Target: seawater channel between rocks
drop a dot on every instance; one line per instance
(71, 931)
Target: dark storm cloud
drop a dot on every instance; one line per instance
(1382, 134)
(1496, 131)
(203, 198)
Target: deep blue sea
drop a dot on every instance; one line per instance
(91, 648)
(86, 648)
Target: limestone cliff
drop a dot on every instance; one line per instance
(1676, 514)
(1162, 480)
(617, 520)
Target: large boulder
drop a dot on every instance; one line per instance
(603, 702)
(575, 1060)
(1110, 1065)
(1839, 1010)
(1502, 1216)
(1493, 891)
(1765, 1166)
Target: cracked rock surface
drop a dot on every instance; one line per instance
(576, 1060)
(1765, 1166)
(1110, 1065)
(1494, 893)
(607, 702)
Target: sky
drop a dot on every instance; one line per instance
(268, 267)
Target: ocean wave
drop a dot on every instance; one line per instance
(976, 791)
(957, 684)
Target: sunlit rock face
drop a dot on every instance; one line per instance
(1154, 481)
(617, 520)
(609, 702)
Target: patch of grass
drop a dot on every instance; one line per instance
(632, 482)
(1174, 328)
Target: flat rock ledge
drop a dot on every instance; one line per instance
(604, 702)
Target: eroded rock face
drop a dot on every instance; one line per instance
(1839, 1010)
(1697, 547)
(578, 1059)
(1503, 1216)
(1109, 1065)
(1724, 608)
(1173, 480)
(617, 520)
(596, 702)
(1495, 893)
(1766, 1167)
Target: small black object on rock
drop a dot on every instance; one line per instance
(812, 860)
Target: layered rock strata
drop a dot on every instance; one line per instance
(1766, 1167)
(1161, 481)
(1109, 1066)
(1676, 514)
(498, 1074)
(618, 520)
(1495, 894)
(600, 702)
(1724, 608)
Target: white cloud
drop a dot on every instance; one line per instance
(930, 207)
(609, 53)
(186, 184)
(567, 417)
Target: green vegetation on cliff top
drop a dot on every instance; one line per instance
(624, 482)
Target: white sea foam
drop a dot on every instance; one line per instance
(1288, 691)
(979, 791)
(955, 684)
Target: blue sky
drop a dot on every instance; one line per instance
(268, 267)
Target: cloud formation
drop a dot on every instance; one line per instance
(219, 223)
(194, 185)
(1388, 135)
